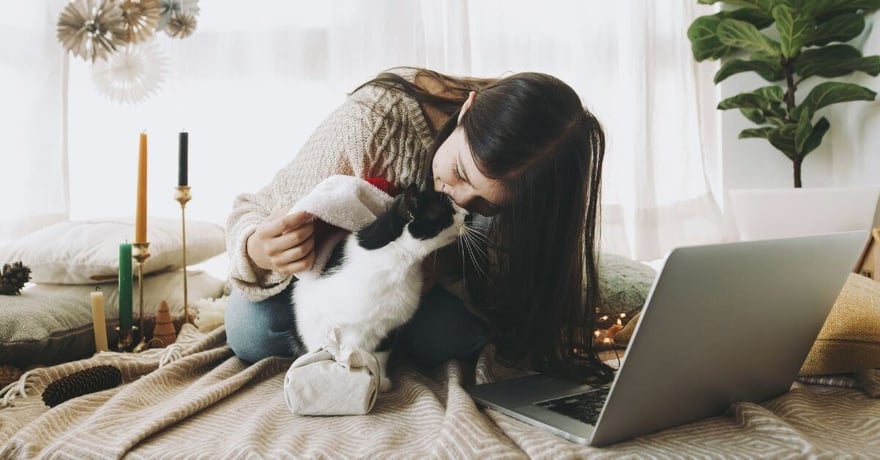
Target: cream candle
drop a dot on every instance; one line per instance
(98, 322)
(140, 221)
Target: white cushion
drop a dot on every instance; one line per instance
(87, 252)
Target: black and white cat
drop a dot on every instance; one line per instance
(373, 282)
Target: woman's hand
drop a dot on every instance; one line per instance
(284, 243)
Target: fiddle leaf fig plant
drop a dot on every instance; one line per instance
(786, 42)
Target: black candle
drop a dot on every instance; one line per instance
(182, 159)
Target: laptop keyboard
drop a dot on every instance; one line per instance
(582, 406)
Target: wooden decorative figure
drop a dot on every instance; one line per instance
(164, 330)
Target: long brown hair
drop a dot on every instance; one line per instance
(531, 132)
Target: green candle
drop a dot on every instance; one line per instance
(125, 286)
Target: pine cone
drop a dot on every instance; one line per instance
(13, 277)
(80, 383)
(9, 374)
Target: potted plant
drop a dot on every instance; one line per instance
(788, 44)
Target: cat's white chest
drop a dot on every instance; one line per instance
(371, 295)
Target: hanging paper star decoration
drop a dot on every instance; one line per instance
(107, 34)
(131, 74)
(91, 29)
(141, 18)
(181, 25)
(171, 8)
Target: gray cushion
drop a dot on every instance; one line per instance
(49, 324)
(623, 285)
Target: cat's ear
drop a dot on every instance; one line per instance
(411, 198)
(405, 203)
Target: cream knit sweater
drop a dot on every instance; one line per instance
(375, 133)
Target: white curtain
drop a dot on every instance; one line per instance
(33, 174)
(254, 80)
(631, 63)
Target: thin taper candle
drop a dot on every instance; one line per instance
(125, 284)
(140, 223)
(183, 158)
(99, 324)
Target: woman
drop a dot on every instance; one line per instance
(520, 149)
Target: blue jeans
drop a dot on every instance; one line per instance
(442, 328)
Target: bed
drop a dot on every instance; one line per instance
(195, 399)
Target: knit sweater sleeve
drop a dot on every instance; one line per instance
(356, 139)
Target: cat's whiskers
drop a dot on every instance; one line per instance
(472, 242)
(475, 235)
(475, 262)
(476, 242)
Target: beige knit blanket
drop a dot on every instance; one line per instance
(196, 400)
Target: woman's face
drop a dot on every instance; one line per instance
(456, 174)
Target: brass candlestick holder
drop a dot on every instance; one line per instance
(140, 252)
(182, 195)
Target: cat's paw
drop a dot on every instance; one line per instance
(384, 385)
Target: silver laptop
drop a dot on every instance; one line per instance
(722, 323)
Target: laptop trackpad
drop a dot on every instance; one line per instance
(560, 425)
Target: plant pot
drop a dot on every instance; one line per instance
(780, 213)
